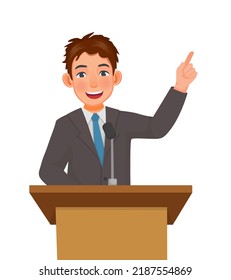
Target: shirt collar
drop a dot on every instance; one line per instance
(88, 115)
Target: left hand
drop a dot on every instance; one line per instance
(185, 74)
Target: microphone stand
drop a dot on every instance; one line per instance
(110, 134)
(112, 181)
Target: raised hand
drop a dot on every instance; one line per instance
(185, 74)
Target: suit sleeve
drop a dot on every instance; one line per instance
(160, 124)
(56, 157)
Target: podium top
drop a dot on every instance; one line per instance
(171, 196)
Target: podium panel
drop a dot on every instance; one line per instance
(115, 233)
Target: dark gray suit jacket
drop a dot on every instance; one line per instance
(71, 143)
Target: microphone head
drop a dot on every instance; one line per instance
(109, 130)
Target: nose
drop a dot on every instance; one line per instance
(93, 81)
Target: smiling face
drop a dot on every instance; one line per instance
(93, 80)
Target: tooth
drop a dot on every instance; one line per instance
(94, 93)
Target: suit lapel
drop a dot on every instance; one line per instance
(79, 121)
(112, 117)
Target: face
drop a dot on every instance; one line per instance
(92, 79)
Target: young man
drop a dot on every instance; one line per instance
(78, 138)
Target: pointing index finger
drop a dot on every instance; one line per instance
(189, 57)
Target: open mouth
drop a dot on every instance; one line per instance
(95, 94)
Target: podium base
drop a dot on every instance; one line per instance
(111, 233)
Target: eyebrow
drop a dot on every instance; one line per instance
(103, 64)
(80, 66)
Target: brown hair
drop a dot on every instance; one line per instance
(91, 45)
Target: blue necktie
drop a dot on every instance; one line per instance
(98, 138)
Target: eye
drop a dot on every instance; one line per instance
(81, 75)
(103, 73)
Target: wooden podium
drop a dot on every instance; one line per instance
(111, 222)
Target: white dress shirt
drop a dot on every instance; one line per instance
(102, 121)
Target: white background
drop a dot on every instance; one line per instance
(153, 38)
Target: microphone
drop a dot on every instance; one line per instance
(110, 134)
(109, 130)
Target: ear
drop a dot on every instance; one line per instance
(67, 80)
(117, 77)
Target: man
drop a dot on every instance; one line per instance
(78, 139)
